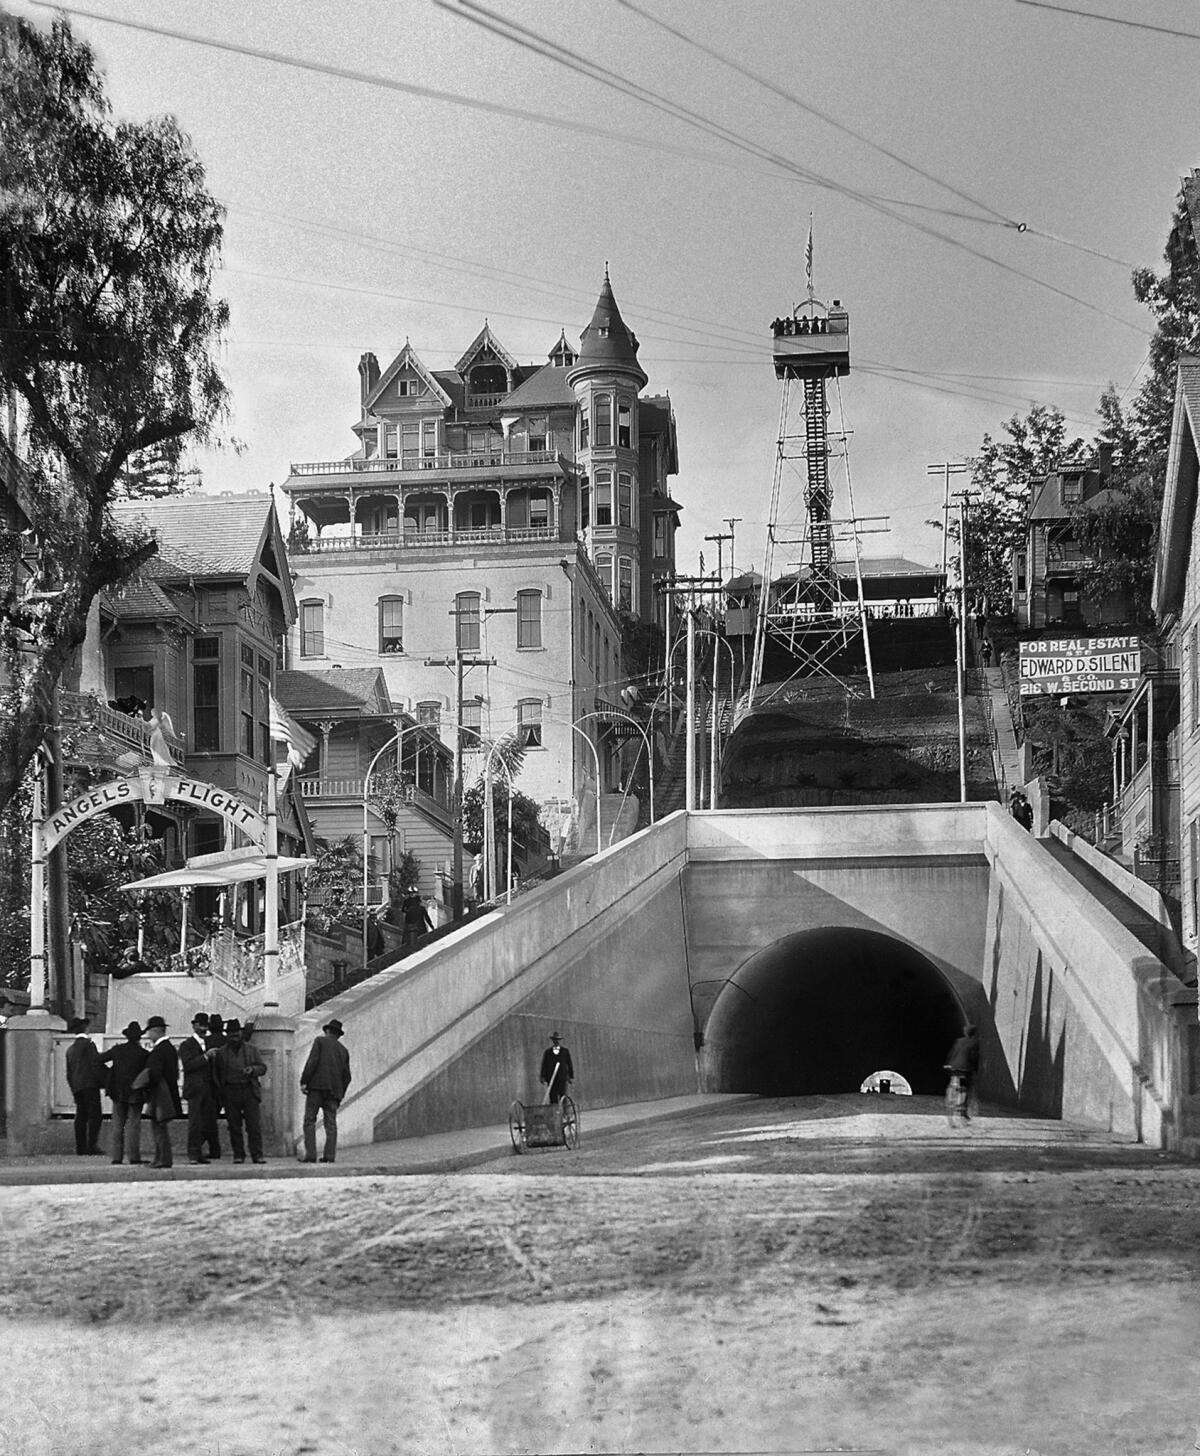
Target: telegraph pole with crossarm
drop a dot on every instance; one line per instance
(459, 662)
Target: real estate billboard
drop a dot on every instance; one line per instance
(1079, 665)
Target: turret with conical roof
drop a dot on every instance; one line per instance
(607, 345)
(606, 379)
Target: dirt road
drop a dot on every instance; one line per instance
(768, 1280)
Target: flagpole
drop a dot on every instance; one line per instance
(808, 258)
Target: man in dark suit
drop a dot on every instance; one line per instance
(236, 1070)
(85, 1077)
(324, 1080)
(557, 1070)
(214, 1041)
(163, 1102)
(197, 1085)
(126, 1060)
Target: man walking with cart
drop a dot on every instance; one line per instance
(557, 1071)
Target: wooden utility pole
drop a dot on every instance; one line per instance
(459, 662)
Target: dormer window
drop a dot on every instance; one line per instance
(1072, 488)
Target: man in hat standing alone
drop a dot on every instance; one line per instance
(162, 1068)
(85, 1077)
(197, 1086)
(126, 1059)
(236, 1070)
(557, 1070)
(323, 1081)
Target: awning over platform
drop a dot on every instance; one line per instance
(231, 872)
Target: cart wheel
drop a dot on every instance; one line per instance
(516, 1126)
(570, 1123)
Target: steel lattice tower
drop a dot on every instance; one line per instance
(807, 612)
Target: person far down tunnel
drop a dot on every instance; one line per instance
(820, 1010)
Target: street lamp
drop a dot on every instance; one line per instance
(489, 827)
(392, 742)
(627, 718)
(689, 641)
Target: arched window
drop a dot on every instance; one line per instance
(391, 624)
(624, 434)
(466, 614)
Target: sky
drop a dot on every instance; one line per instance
(364, 211)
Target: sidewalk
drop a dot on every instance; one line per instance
(444, 1152)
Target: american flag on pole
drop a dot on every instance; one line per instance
(285, 729)
(808, 259)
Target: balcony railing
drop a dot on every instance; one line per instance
(87, 711)
(415, 464)
(352, 788)
(421, 540)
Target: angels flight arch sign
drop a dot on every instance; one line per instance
(149, 787)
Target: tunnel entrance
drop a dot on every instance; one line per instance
(820, 1010)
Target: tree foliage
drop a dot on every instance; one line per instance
(108, 244)
(1032, 444)
(1173, 297)
(335, 884)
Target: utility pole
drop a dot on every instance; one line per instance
(731, 522)
(946, 470)
(963, 498)
(720, 538)
(460, 662)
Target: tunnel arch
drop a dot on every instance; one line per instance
(820, 1010)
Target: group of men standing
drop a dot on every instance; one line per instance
(221, 1072)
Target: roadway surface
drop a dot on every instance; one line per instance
(771, 1275)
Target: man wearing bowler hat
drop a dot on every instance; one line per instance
(236, 1070)
(126, 1060)
(85, 1077)
(324, 1080)
(162, 1067)
(197, 1086)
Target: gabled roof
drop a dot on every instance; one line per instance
(351, 691)
(1177, 521)
(202, 535)
(485, 339)
(544, 390)
(406, 359)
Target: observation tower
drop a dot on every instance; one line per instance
(811, 608)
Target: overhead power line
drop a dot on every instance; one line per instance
(987, 213)
(541, 45)
(1113, 19)
(886, 207)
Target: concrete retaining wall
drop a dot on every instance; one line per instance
(1082, 1012)
(467, 1019)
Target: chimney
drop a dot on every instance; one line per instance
(1105, 452)
(368, 374)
